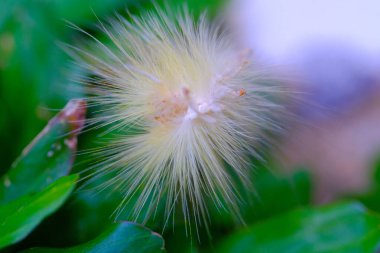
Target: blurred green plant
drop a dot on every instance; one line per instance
(34, 72)
(35, 187)
(344, 227)
(371, 198)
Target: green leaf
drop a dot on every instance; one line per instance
(119, 237)
(344, 227)
(19, 217)
(49, 156)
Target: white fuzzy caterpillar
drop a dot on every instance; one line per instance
(196, 106)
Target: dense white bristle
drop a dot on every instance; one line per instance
(195, 105)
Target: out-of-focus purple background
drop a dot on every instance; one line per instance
(332, 50)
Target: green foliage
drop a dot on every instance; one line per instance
(26, 193)
(27, 196)
(119, 237)
(19, 217)
(82, 12)
(346, 227)
(34, 71)
(263, 202)
(295, 191)
(48, 157)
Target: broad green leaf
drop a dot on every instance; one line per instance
(49, 156)
(119, 237)
(19, 217)
(344, 228)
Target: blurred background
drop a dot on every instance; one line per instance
(329, 51)
(332, 50)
